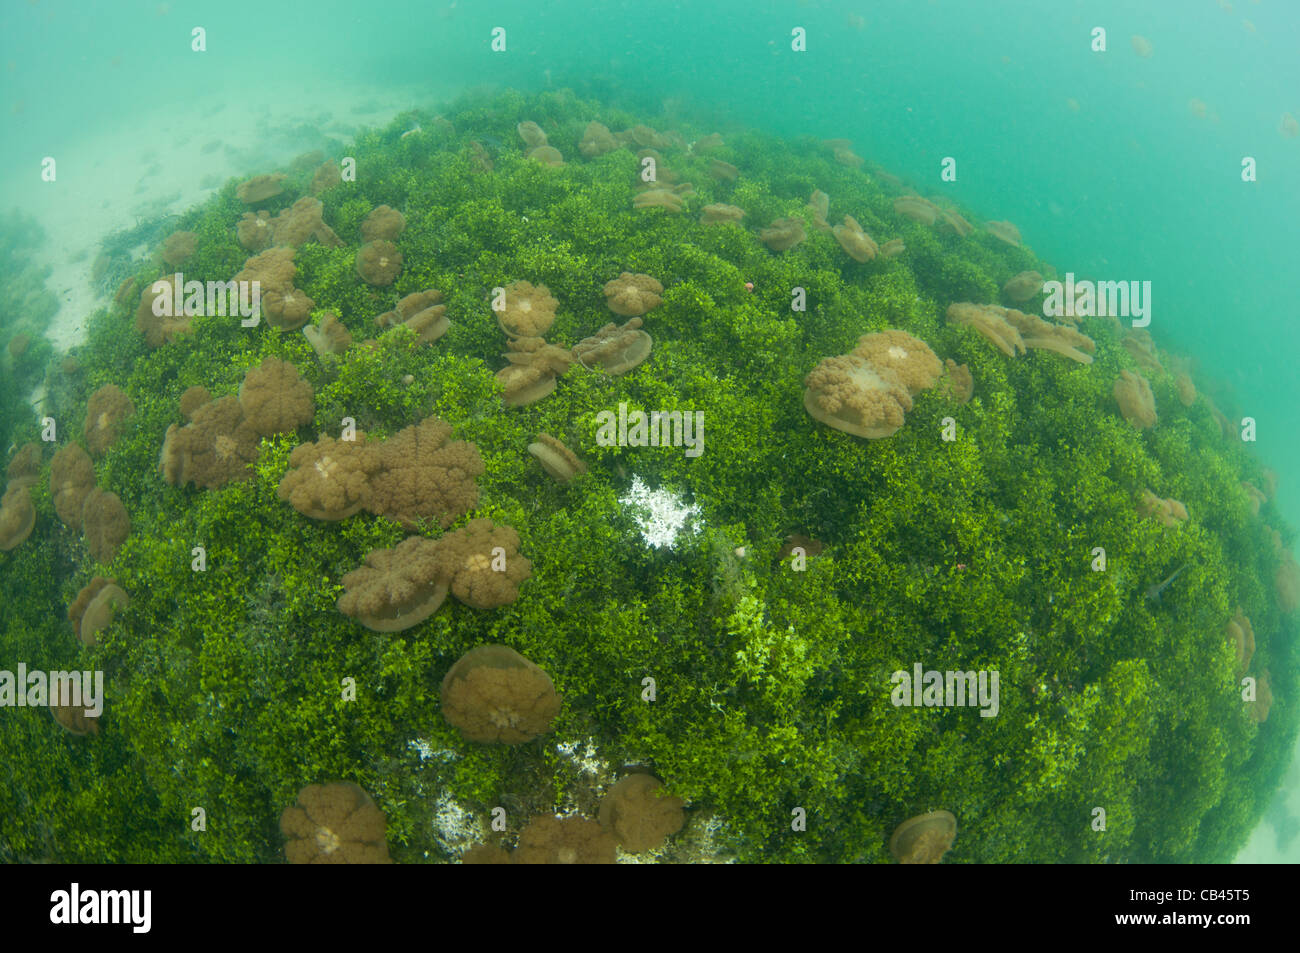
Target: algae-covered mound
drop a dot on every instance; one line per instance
(999, 535)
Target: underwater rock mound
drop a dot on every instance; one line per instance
(724, 612)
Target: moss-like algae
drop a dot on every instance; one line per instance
(225, 687)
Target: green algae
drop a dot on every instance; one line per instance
(225, 687)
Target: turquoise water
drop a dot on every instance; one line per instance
(1131, 185)
(1112, 165)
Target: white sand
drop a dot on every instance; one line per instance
(110, 182)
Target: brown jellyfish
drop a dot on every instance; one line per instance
(819, 205)
(1263, 702)
(260, 188)
(480, 161)
(330, 337)
(275, 398)
(639, 814)
(422, 313)
(1004, 231)
(1022, 287)
(615, 349)
(811, 547)
(424, 475)
(178, 248)
(486, 854)
(17, 516)
(533, 369)
(494, 695)
(1169, 513)
(892, 248)
(482, 564)
(326, 177)
(74, 720)
(856, 243)
(849, 394)
(25, 468)
(1186, 389)
(596, 141)
(105, 523)
(527, 311)
(783, 234)
(990, 321)
(1142, 348)
(648, 138)
(301, 221)
(192, 399)
(330, 479)
(287, 309)
(379, 263)
(106, 413)
(396, 588)
(907, 358)
(382, 223)
(273, 269)
(1242, 634)
(666, 199)
(254, 231)
(546, 155)
(958, 381)
(1286, 582)
(916, 208)
(954, 221)
(572, 840)
(122, 296)
(632, 295)
(72, 477)
(334, 824)
(1255, 495)
(531, 133)
(216, 447)
(98, 612)
(723, 170)
(1038, 334)
(924, 839)
(720, 214)
(556, 459)
(1136, 402)
(707, 143)
(170, 321)
(843, 151)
